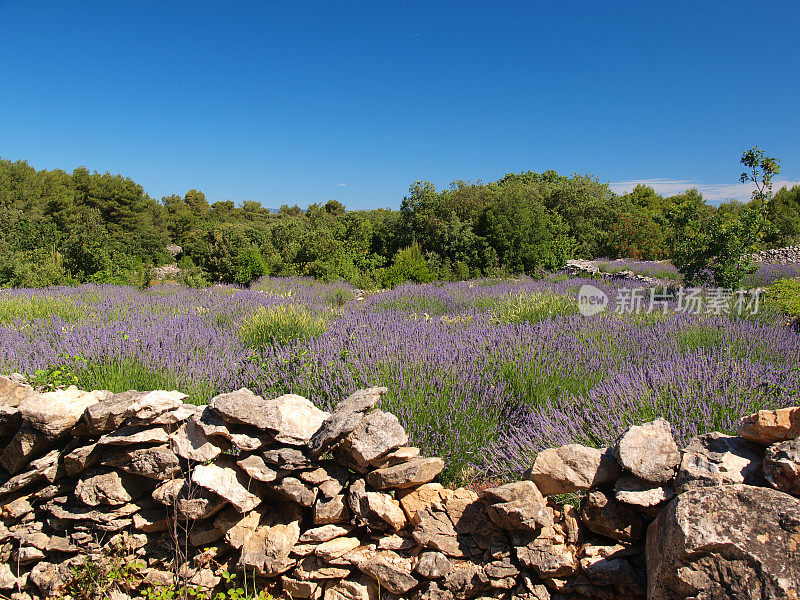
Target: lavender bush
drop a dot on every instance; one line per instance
(483, 373)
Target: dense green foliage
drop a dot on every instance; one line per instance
(57, 227)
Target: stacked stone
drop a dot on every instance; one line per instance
(337, 506)
(779, 256)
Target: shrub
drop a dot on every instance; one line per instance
(784, 295)
(409, 265)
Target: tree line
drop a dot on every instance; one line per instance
(58, 227)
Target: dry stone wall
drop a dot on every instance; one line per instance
(779, 256)
(337, 506)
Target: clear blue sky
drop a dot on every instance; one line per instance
(300, 102)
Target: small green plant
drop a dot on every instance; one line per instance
(282, 324)
(532, 308)
(96, 579)
(58, 376)
(784, 296)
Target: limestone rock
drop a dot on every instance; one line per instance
(635, 491)
(376, 435)
(416, 499)
(246, 438)
(107, 487)
(378, 509)
(10, 420)
(324, 533)
(345, 418)
(603, 515)
(396, 457)
(27, 444)
(292, 419)
(572, 468)
(192, 443)
(296, 588)
(391, 570)
(406, 474)
(286, 458)
(224, 479)
(130, 435)
(714, 459)
(55, 413)
(330, 511)
(351, 590)
(782, 466)
(546, 556)
(13, 392)
(735, 541)
(465, 580)
(293, 489)
(257, 468)
(649, 451)
(7, 579)
(109, 414)
(312, 567)
(433, 565)
(45, 468)
(158, 462)
(81, 458)
(517, 506)
(769, 426)
(336, 547)
(186, 501)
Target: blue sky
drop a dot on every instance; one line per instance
(300, 102)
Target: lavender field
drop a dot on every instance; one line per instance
(484, 373)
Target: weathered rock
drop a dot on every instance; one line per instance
(432, 565)
(416, 499)
(465, 580)
(714, 459)
(313, 567)
(649, 451)
(517, 506)
(329, 511)
(351, 590)
(269, 547)
(81, 458)
(171, 417)
(296, 588)
(287, 459)
(546, 555)
(7, 579)
(17, 508)
(735, 541)
(130, 435)
(158, 462)
(376, 435)
(109, 414)
(407, 474)
(345, 418)
(782, 466)
(187, 501)
(108, 487)
(257, 468)
(147, 406)
(324, 533)
(44, 468)
(107, 519)
(27, 444)
(295, 490)
(603, 515)
(572, 468)
(336, 547)
(224, 479)
(635, 491)
(10, 420)
(391, 570)
(246, 438)
(396, 457)
(292, 419)
(192, 443)
(377, 509)
(602, 570)
(55, 413)
(769, 426)
(13, 392)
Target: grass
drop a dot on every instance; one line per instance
(282, 324)
(533, 308)
(40, 307)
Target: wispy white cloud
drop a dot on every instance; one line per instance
(713, 192)
(342, 184)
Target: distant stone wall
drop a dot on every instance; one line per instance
(779, 256)
(339, 507)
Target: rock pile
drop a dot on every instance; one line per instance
(337, 506)
(779, 256)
